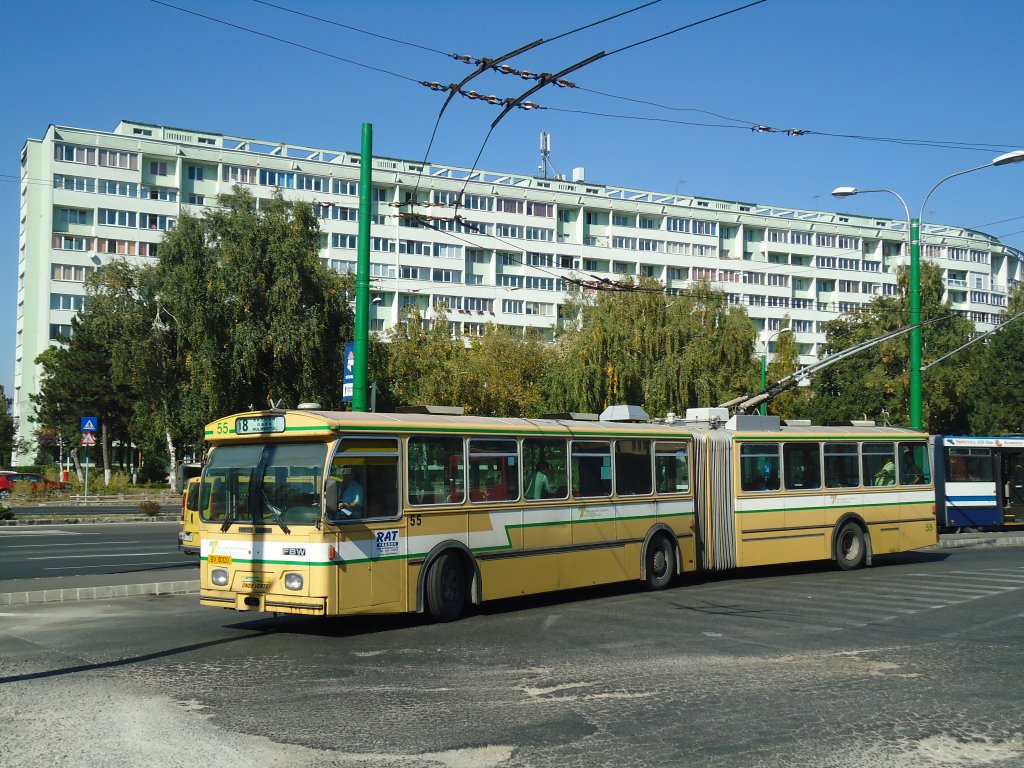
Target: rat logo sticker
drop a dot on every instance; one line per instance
(387, 542)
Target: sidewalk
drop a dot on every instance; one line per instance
(185, 581)
(177, 581)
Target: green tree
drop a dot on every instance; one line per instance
(503, 374)
(997, 395)
(875, 383)
(6, 431)
(255, 317)
(793, 403)
(77, 380)
(635, 345)
(423, 360)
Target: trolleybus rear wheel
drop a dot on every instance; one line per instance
(660, 562)
(851, 549)
(446, 587)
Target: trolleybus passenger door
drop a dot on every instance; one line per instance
(372, 548)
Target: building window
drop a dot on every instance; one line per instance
(447, 251)
(114, 159)
(156, 168)
(114, 218)
(70, 243)
(546, 210)
(74, 183)
(196, 199)
(382, 244)
(447, 276)
(343, 241)
(512, 307)
(239, 174)
(70, 153)
(344, 187)
(69, 273)
(510, 281)
(59, 331)
(479, 203)
(800, 238)
(154, 221)
(69, 216)
(120, 247)
(195, 173)
(414, 247)
(67, 301)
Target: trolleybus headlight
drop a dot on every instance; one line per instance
(219, 577)
(293, 581)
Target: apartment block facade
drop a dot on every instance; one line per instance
(517, 245)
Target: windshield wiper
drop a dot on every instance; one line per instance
(275, 512)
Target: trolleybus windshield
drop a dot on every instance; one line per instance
(261, 483)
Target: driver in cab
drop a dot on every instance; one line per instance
(350, 494)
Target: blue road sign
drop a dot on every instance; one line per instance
(90, 423)
(350, 366)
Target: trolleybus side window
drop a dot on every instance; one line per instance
(493, 470)
(591, 468)
(759, 467)
(969, 465)
(633, 467)
(672, 467)
(545, 468)
(366, 470)
(802, 465)
(437, 468)
(841, 466)
(914, 467)
(879, 462)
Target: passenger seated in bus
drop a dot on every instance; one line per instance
(539, 486)
(910, 473)
(887, 474)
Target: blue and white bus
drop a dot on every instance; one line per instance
(979, 481)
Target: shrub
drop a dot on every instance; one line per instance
(149, 508)
(5, 513)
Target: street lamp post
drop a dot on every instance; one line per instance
(764, 365)
(914, 288)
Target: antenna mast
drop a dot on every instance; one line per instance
(545, 150)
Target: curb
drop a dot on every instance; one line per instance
(98, 593)
(86, 520)
(981, 541)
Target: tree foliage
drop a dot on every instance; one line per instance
(639, 346)
(997, 399)
(256, 317)
(875, 384)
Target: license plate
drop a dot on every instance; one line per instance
(219, 559)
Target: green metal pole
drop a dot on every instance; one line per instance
(915, 319)
(362, 330)
(764, 378)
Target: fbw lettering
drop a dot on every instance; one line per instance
(296, 551)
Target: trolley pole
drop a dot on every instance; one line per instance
(362, 329)
(915, 319)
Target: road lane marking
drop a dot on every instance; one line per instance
(129, 565)
(93, 557)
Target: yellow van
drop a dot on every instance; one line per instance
(188, 536)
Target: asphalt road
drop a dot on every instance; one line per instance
(914, 663)
(46, 551)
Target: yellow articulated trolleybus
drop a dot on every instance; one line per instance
(329, 513)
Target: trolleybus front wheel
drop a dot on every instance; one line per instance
(446, 587)
(660, 563)
(850, 548)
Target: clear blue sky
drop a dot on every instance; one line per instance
(925, 70)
